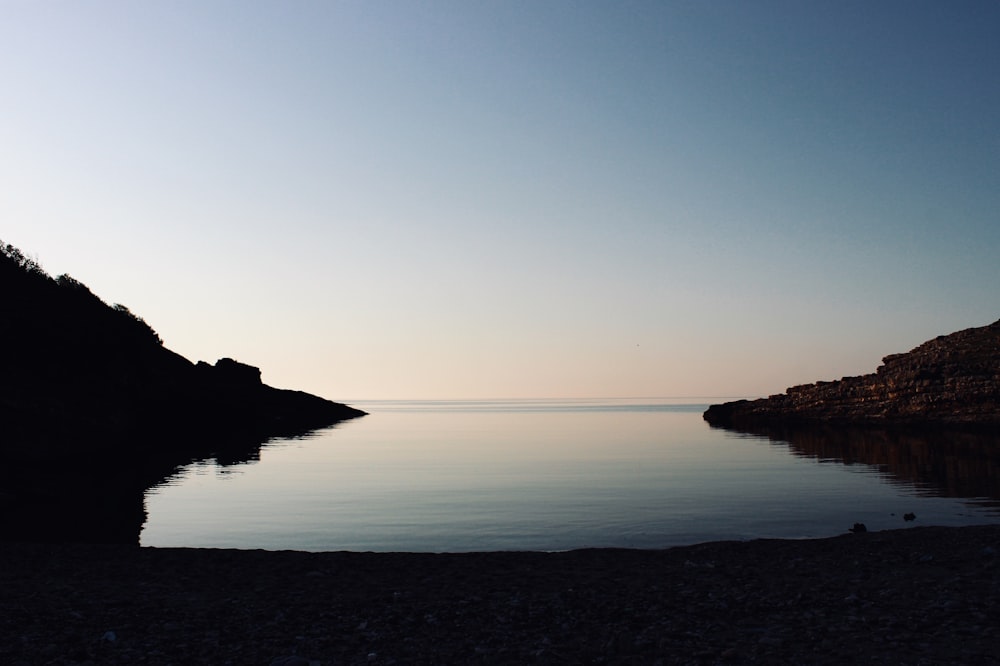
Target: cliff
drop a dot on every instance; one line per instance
(952, 380)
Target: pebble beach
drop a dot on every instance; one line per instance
(922, 595)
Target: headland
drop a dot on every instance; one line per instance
(948, 382)
(94, 410)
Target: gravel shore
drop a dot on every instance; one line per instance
(926, 595)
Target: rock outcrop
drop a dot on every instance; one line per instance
(952, 380)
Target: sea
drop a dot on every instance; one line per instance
(550, 475)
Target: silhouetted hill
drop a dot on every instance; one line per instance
(952, 380)
(77, 369)
(94, 410)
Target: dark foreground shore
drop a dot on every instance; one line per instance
(922, 595)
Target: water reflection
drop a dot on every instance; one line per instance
(553, 475)
(943, 463)
(97, 495)
(504, 474)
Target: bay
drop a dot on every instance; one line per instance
(433, 476)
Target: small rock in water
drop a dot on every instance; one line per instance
(909, 516)
(858, 528)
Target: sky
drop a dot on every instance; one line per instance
(472, 200)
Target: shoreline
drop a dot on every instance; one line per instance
(915, 595)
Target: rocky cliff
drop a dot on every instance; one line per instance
(952, 380)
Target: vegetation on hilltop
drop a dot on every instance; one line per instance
(63, 302)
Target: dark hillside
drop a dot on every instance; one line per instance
(94, 409)
(76, 367)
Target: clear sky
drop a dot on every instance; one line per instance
(514, 199)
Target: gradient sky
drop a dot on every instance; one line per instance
(514, 199)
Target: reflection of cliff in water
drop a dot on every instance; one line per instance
(940, 462)
(99, 499)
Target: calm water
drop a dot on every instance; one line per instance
(537, 475)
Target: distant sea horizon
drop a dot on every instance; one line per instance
(595, 398)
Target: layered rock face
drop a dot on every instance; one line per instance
(952, 380)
